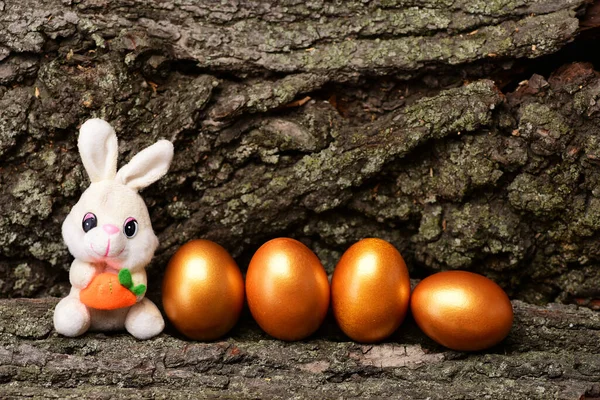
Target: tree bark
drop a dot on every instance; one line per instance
(451, 129)
(324, 122)
(551, 353)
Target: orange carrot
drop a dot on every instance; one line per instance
(105, 292)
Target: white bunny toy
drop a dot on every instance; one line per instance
(110, 235)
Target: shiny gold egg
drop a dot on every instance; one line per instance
(287, 289)
(203, 290)
(370, 290)
(462, 310)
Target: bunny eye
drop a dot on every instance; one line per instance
(130, 227)
(89, 222)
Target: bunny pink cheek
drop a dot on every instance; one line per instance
(94, 250)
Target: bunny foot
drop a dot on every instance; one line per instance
(144, 320)
(71, 317)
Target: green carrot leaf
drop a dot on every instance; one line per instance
(139, 289)
(125, 278)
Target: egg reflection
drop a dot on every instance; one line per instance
(370, 290)
(287, 289)
(462, 310)
(203, 290)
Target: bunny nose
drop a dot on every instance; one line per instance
(110, 229)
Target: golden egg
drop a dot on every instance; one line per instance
(203, 290)
(287, 289)
(462, 310)
(370, 290)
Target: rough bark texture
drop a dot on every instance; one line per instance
(552, 353)
(326, 122)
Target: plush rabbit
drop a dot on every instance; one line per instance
(110, 235)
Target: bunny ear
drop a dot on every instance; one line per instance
(148, 166)
(99, 149)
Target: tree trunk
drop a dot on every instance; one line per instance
(551, 353)
(325, 122)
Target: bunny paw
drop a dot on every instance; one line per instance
(71, 317)
(144, 320)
